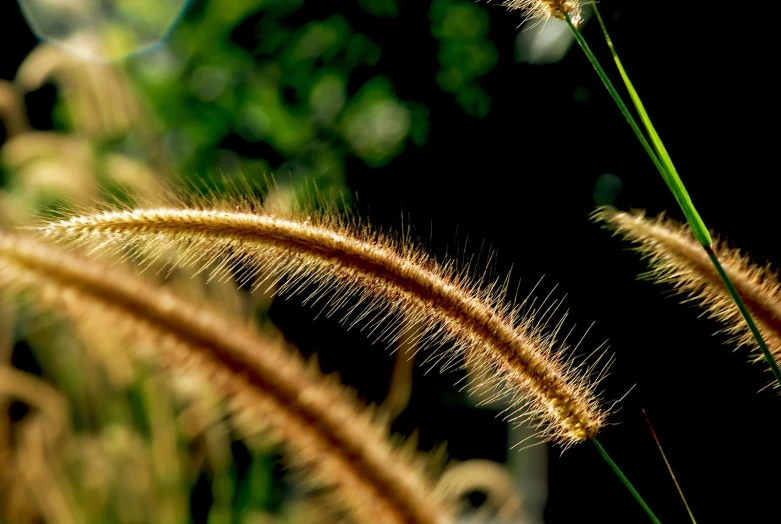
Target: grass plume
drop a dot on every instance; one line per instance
(324, 429)
(547, 9)
(677, 258)
(378, 276)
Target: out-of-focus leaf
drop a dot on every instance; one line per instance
(466, 54)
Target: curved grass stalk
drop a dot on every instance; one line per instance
(347, 262)
(325, 430)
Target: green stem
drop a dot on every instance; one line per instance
(626, 482)
(669, 174)
(656, 152)
(661, 159)
(617, 99)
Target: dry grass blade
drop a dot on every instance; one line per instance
(325, 431)
(677, 258)
(347, 262)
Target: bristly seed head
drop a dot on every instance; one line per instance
(345, 262)
(677, 258)
(547, 9)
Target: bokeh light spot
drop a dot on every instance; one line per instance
(606, 189)
(102, 30)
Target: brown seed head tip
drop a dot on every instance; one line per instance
(546, 9)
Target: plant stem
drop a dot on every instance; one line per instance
(657, 151)
(670, 174)
(617, 99)
(669, 467)
(661, 159)
(626, 482)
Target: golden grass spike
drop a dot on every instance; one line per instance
(677, 258)
(547, 9)
(344, 261)
(324, 429)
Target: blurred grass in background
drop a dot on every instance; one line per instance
(239, 89)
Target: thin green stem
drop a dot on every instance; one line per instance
(617, 99)
(670, 174)
(661, 159)
(626, 482)
(656, 152)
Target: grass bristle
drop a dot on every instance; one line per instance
(345, 262)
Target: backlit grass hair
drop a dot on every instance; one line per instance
(371, 276)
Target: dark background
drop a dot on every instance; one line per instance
(523, 179)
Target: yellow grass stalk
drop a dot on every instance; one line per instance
(347, 263)
(325, 430)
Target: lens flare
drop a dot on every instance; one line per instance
(103, 30)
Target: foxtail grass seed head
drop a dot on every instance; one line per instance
(676, 258)
(332, 438)
(546, 9)
(343, 265)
